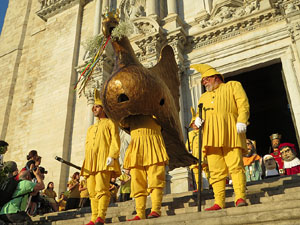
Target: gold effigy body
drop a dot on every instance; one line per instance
(133, 89)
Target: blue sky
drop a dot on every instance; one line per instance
(3, 7)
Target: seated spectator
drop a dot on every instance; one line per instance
(252, 163)
(3, 150)
(291, 163)
(125, 189)
(51, 195)
(15, 210)
(270, 167)
(74, 196)
(62, 201)
(84, 194)
(114, 187)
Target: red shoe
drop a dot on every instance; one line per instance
(99, 221)
(213, 208)
(240, 202)
(135, 218)
(153, 214)
(195, 191)
(90, 223)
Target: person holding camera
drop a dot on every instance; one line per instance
(14, 211)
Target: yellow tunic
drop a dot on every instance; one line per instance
(147, 145)
(74, 193)
(222, 109)
(84, 193)
(50, 193)
(194, 145)
(102, 141)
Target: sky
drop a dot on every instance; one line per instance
(3, 7)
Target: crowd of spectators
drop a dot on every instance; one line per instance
(31, 197)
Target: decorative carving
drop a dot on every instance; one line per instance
(226, 13)
(294, 31)
(50, 8)
(219, 4)
(225, 32)
(131, 9)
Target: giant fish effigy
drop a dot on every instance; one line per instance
(133, 89)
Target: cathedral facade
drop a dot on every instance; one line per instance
(41, 56)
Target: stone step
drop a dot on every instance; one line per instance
(253, 214)
(267, 192)
(266, 206)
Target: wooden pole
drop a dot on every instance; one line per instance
(200, 106)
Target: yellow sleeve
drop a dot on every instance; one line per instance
(241, 102)
(187, 142)
(114, 149)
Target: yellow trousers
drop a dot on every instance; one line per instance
(145, 180)
(220, 162)
(98, 188)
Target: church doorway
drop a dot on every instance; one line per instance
(270, 110)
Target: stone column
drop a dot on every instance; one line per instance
(172, 7)
(97, 18)
(151, 7)
(90, 103)
(105, 5)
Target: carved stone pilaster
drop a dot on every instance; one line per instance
(50, 8)
(177, 41)
(294, 31)
(149, 40)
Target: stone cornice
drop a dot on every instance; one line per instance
(235, 27)
(54, 7)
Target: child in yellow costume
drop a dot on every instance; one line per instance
(194, 147)
(146, 158)
(101, 162)
(225, 115)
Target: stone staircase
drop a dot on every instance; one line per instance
(272, 201)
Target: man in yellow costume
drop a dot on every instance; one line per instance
(194, 148)
(102, 149)
(225, 116)
(146, 158)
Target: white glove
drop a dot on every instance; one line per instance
(110, 161)
(241, 128)
(198, 122)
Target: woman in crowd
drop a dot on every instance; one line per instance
(51, 195)
(73, 187)
(84, 194)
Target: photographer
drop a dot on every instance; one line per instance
(36, 201)
(15, 210)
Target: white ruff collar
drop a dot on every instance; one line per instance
(271, 172)
(293, 163)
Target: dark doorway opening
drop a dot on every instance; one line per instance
(269, 107)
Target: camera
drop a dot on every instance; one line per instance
(42, 170)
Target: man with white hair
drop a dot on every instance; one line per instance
(225, 116)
